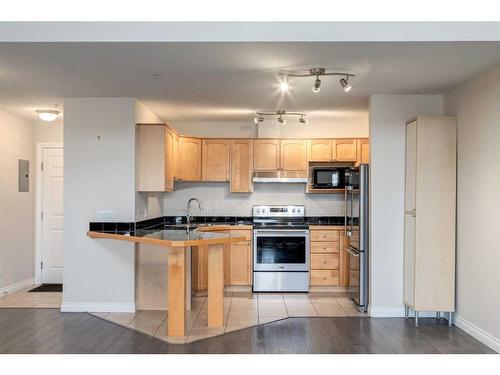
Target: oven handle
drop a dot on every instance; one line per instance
(350, 251)
(267, 231)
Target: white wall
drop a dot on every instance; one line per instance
(388, 116)
(218, 201)
(476, 106)
(16, 208)
(98, 175)
(49, 132)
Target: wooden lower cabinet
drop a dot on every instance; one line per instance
(237, 262)
(328, 261)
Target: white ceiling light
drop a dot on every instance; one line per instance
(281, 120)
(302, 120)
(47, 114)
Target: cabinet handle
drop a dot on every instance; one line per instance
(324, 247)
(324, 261)
(323, 277)
(324, 235)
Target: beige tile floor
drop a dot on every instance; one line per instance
(241, 310)
(23, 299)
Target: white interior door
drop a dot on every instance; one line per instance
(52, 215)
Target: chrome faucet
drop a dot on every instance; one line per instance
(188, 209)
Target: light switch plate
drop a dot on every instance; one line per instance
(106, 215)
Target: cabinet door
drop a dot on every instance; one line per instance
(169, 161)
(241, 165)
(240, 264)
(363, 151)
(215, 160)
(266, 154)
(344, 149)
(189, 158)
(151, 158)
(409, 222)
(319, 150)
(293, 155)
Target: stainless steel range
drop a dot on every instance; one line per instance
(281, 249)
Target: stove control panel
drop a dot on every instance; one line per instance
(278, 211)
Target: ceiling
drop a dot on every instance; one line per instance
(228, 82)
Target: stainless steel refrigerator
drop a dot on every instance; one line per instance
(356, 229)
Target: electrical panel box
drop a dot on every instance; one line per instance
(23, 175)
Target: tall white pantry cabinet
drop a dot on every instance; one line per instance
(430, 209)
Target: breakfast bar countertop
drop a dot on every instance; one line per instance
(207, 235)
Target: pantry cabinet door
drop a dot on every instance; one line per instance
(293, 154)
(241, 165)
(215, 160)
(344, 149)
(319, 149)
(189, 159)
(266, 154)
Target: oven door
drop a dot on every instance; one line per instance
(281, 250)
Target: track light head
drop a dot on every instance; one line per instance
(317, 85)
(258, 119)
(345, 84)
(302, 120)
(281, 120)
(284, 84)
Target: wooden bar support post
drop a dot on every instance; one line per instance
(176, 292)
(216, 285)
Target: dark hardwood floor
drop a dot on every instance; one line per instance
(50, 331)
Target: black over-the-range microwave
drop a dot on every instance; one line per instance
(329, 177)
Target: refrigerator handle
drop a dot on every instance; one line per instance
(352, 211)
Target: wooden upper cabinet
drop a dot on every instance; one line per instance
(241, 165)
(319, 150)
(344, 149)
(154, 158)
(363, 151)
(293, 155)
(215, 160)
(266, 154)
(169, 160)
(189, 159)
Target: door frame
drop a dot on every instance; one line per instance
(38, 207)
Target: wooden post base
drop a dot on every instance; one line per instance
(216, 285)
(176, 292)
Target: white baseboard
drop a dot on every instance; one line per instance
(97, 307)
(478, 333)
(16, 287)
(396, 312)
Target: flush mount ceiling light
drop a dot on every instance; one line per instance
(260, 116)
(47, 114)
(318, 72)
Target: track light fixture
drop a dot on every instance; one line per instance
(281, 119)
(318, 72)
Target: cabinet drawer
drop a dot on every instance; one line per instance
(241, 233)
(325, 247)
(325, 277)
(324, 261)
(325, 235)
